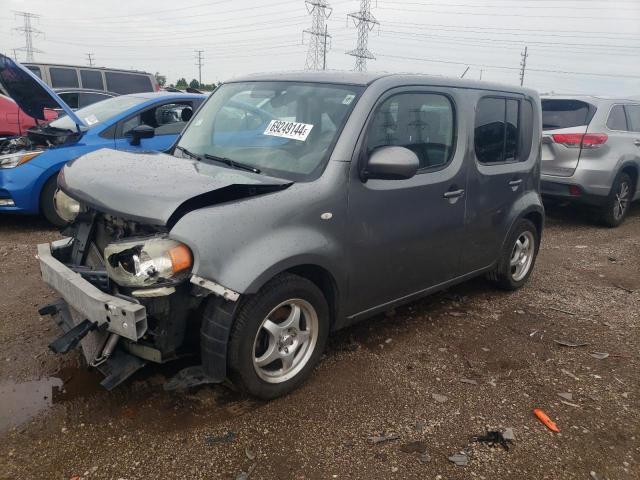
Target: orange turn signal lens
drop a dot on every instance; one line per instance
(28, 156)
(181, 258)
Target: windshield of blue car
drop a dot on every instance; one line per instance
(99, 112)
(283, 129)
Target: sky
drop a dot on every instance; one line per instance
(574, 46)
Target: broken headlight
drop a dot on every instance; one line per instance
(148, 262)
(12, 160)
(66, 207)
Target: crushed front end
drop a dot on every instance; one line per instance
(126, 295)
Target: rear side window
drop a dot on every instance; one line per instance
(88, 98)
(35, 70)
(63, 77)
(617, 119)
(565, 113)
(633, 111)
(421, 122)
(91, 79)
(127, 83)
(499, 136)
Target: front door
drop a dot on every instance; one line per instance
(406, 234)
(167, 120)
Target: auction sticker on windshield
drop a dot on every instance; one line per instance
(293, 130)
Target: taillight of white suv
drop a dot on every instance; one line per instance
(577, 140)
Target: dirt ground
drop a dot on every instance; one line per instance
(433, 374)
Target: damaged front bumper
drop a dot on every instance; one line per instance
(92, 317)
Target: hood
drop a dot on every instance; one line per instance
(156, 188)
(30, 93)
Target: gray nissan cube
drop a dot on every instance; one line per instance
(291, 206)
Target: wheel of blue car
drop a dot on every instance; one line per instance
(47, 205)
(278, 337)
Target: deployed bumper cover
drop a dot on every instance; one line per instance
(127, 319)
(82, 301)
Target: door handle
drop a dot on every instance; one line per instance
(515, 183)
(636, 142)
(453, 193)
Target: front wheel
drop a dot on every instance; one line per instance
(278, 337)
(518, 256)
(47, 203)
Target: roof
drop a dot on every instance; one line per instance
(367, 78)
(162, 94)
(83, 67)
(588, 97)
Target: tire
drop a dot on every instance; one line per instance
(47, 206)
(260, 343)
(510, 277)
(619, 201)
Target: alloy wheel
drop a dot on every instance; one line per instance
(522, 256)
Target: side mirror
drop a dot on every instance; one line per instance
(137, 133)
(391, 163)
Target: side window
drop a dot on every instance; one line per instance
(167, 119)
(421, 122)
(35, 70)
(498, 136)
(526, 127)
(89, 98)
(617, 119)
(63, 77)
(70, 98)
(127, 83)
(633, 112)
(91, 79)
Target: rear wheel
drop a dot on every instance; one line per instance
(47, 204)
(617, 206)
(518, 256)
(278, 337)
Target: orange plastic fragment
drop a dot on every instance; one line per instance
(546, 420)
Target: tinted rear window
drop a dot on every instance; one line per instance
(63, 77)
(35, 70)
(91, 79)
(565, 114)
(127, 83)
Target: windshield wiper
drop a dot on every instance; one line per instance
(188, 153)
(232, 163)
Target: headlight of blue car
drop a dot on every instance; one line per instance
(12, 160)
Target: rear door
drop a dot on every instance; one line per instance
(505, 160)
(567, 119)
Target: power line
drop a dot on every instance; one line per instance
(320, 11)
(523, 64)
(29, 33)
(90, 59)
(199, 64)
(364, 22)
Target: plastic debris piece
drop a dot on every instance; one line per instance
(375, 439)
(566, 395)
(213, 439)
(469, 381)
(599, 355)
(493, 438)
(439, 398)
(546, 420)
(575, 405)
(460, 459)
(569, 343)
(569, 374)
(508, 434)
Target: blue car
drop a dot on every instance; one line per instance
(29, 165)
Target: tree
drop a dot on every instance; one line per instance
(182, 83)
(161, 79)
(194, 83)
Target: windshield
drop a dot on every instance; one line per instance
(99, 112)
(284, 129)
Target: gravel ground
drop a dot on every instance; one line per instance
(433, 375)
